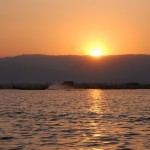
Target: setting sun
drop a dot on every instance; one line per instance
(95, 48)
(96, 53)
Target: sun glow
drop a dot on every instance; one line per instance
(96, 53)
(95, 48)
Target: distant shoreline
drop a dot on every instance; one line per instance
(105, 86)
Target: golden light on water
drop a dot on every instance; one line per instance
(96, 100)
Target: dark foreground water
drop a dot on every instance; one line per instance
(75, 119)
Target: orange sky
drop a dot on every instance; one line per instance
(63, 27)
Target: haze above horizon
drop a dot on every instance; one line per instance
(64, 27)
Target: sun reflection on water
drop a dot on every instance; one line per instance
(96, 131)
(96, 99)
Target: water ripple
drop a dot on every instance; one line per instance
(75, 119)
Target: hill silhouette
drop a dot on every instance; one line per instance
(55, 69)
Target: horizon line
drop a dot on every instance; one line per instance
(70, 55)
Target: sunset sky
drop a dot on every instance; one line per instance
(74, 27)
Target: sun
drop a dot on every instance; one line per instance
(96, 53)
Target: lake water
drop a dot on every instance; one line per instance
(75, 119)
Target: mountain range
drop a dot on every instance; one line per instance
(56, 69)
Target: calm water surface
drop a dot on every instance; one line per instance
(75, 119)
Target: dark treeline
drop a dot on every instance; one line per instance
(112, 86)
(44, 86)
(25, 86)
